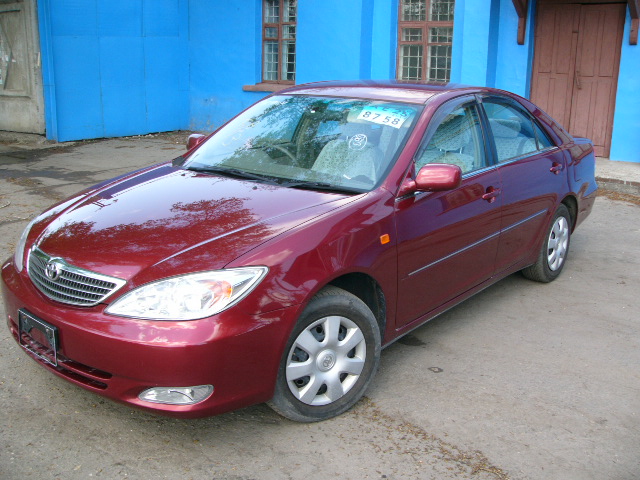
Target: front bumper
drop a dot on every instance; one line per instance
(116, 357)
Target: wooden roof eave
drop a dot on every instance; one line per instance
(522, 6)
(633, 11)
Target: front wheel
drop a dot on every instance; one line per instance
(555, 248)
(330, 358)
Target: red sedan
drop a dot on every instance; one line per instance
(274, 260)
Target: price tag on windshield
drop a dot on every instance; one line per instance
(394, 117)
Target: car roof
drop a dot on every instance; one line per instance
(389, 90)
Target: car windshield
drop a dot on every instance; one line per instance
(310, 142)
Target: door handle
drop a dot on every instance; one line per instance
(556, 168)
(578, 84)
(491, 194)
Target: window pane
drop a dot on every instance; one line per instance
(456, 141)
(289, 13)
(413, 10)
(411, 62)
(279, 47)
(441, 35)
(512, 130)
(270, 61)
(435, 38)
(289, 31)
(271, 32)
(543, 138)
(412, 34)
(439, 63)
(271, 11)
(441, 10)
(289, 60)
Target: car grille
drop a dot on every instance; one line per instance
(65, 283)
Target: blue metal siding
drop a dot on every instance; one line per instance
(77, 87)
(117, 67)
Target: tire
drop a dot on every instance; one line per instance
(330, 359)
(553, 254)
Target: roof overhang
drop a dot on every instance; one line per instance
(522, 6)
(633, 11)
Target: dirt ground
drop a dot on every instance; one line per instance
(523, 381)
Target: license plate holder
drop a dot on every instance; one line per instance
(38, 337)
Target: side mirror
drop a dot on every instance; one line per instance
(194, 140)
(434, 177)
(438, 177)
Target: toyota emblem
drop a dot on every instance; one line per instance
(53, 270)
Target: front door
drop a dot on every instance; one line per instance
(448, 241)
(575, 70)
(21, 100)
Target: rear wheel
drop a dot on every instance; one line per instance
(331, 357)
(555, 248)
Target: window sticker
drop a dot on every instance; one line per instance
(393, 117)
(358, 142)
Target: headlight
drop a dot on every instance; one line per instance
(18, 256)
(189, 297)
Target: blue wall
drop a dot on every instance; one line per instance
(485, 50)
(384, 41)
(625, 142)
(470, 58)
(124, 67)
(336, 39)
(225, 54)
(346, 40)
(513, 62)
(332, 48)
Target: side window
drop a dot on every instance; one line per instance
(456, 141)
(543, 138)
(513, 130)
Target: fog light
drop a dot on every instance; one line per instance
(177, 395)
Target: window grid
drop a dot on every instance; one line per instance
(278, 40)
(425, 30)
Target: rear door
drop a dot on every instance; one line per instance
(447, 241)
(532, 171)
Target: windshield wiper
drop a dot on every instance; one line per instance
(321, 186)
(235, 172)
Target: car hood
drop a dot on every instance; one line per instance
(159, 215)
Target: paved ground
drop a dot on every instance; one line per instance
(524, 381)
(622, 177)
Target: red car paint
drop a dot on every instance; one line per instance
(166, 221)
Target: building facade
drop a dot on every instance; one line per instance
(79, 69)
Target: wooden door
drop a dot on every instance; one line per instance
(21, 100)
(575, 71)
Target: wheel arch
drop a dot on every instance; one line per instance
(572, 205)
(367, 289)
